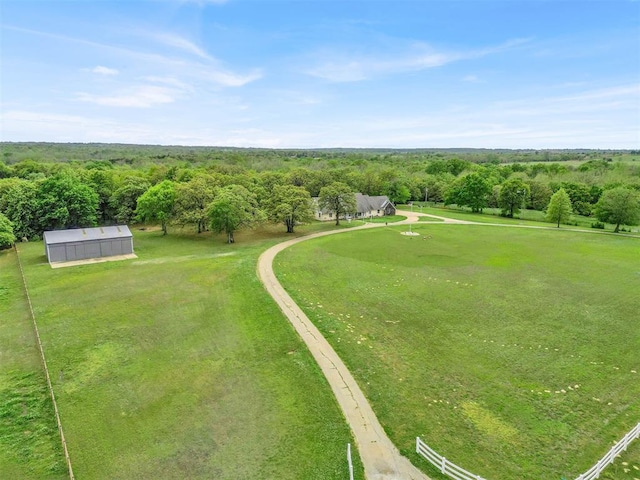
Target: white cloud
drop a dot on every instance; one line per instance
(137, 97)
(352, 68)
(471, 79)
(229, 79)
(100, 70)
(181, 43)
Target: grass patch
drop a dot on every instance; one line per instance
(179, 365)
(471, 333)
(29, 443)
(525, 217)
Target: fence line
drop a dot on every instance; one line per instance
(445, 466)
(349, 461)
(46, 369)
(617, 449)
(458, 473)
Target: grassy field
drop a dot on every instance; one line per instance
(513, 352)
(29, 443)
(525, 217)
(178, 365)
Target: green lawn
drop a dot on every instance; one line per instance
(178, 365)
(525, 217)
(30, 447)
(513, 352)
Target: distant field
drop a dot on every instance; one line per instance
(513, 352)
(179, 365)
(525, 217)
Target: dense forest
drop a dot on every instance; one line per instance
(47, 186)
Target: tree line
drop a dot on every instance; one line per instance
(233, 189)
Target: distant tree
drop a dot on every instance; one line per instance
(124, 199)
(539, 195)
(156, 204)
(63, 201)
(7, 238)
(338, 199)
(580, 195)
(233, 209)
(19, 203)
(397, 192)
(469, 191)
(192, 200)
(5, 172)
(289, 204)
(513, 194)
(559, 208)
(620, 206)
(102, 182)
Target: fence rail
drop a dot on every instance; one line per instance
(458, 473)
(445, 466)
(617, 449)
(46, 370)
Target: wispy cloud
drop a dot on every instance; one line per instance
(100, 70)
(144, 96)
(207, 69)
(344, 68)
(180, 43)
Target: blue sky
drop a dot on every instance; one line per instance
(323, 73)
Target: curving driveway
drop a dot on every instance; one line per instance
(381, 459)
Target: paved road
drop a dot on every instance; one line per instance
(381, 459)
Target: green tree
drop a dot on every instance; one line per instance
(580, 195)
(338, 199)
(63, 201)
(289, 204)
(469, 191)
(397, 192)
(7, 238)
(620, 206)
(124, 199)
(156, 204)
(512, 196)
(102, 182)
(192, 200)
(559, 208)
(234, 208)
(539, 195)
(19, 204)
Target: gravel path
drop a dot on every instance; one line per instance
(381, 459)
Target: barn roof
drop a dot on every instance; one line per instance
(86, 234)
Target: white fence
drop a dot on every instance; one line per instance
(617, 449)
(443, 464)
(458, 473)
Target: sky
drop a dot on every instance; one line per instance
(322, 73)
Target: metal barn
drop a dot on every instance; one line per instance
(84, 243)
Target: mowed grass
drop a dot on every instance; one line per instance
(30, 447)
(178, 365)
(513, 352)
(525, 217)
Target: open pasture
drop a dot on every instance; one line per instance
(513, 352)
(179, 365)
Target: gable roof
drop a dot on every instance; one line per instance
(365, 203)
(86, 234)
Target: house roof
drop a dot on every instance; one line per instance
(86, 234)
(365, 203)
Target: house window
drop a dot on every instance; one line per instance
(378, 212)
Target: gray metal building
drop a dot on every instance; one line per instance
(84, 243)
